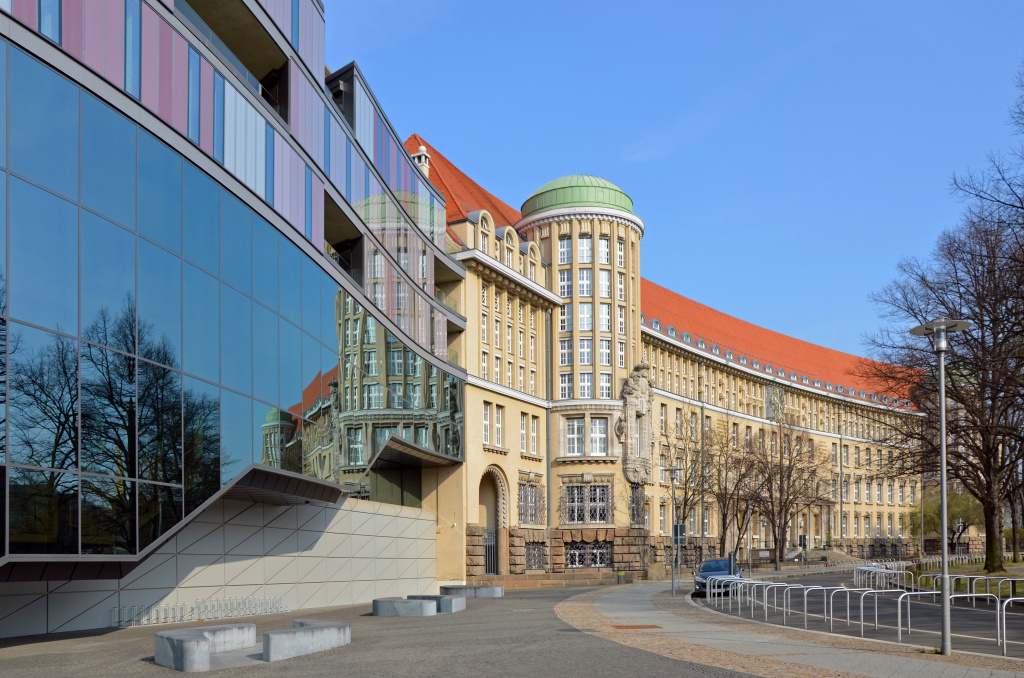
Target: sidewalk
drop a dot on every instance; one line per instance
(683, 630)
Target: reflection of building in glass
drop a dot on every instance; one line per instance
(171, 335)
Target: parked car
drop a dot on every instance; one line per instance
(708, 568)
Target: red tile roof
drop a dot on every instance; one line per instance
(462, 195)
(756, 343)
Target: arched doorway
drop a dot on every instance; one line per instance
(492, 507)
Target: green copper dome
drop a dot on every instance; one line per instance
(577, 190)
(276, 416)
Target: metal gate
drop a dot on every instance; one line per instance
(490, 551)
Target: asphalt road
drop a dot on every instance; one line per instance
(973, 627)
(518, 635)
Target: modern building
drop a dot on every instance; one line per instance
(257, 349)
(632, 380)
(225, 342)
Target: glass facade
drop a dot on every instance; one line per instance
(158, 336)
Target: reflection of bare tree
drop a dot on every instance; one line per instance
(132, 415)
(44, 402)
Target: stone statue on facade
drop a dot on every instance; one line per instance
(633, 429)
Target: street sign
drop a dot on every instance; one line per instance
(679, 534)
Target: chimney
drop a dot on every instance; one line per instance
(422, 160)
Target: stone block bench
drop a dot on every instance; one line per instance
(478, 591)
(403, 607)
(305, 637)
(445, 604)
(190, 649)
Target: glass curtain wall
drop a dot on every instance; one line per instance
(158, 336)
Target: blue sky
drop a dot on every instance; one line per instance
(783, 156)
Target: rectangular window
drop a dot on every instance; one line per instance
(620, 253)
(621, 285)
(533, 382)
(497, 332)
(598, 436)
(605, 318)
(606, 352)
(903, 493)
(913, 494)
(483, 365)
(497, 369)
(888, 494)
(574, 437)
(508, 338)
(49, 19)
(565, 283)
(878, 493)
(499, 414)
(565, 250)
(483, 327)
(395, 362)
(889, 526)
(586, 317)
(487, 423)
(133, 48)
(605, 284)
(585, 282)
(565, 386)
(599, 504)
(586, 352)
(585, 250)
(604, 250)
(867, 458)
(856, 491)
(622, 319)
(586, 384)
(533, 435)
(218, 117)
(530, 501)
(193, 94)
(565, 351)
(533, 354)
(508, 374)
(521, 377)
(565, 318)
(606, 385)
(622, 354)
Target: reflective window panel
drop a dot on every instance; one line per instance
(160, 190)
(108, 409)
(43, 508)
(159, 305)
(201, 424)
(108, 283)
(108, 516)
(160, 509)
(108, 162)
(159, 424)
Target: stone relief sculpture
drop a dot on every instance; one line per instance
(633, 428)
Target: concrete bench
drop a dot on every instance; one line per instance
(402, 607)
(189, 650)
(445, 604)
(479, 591)
(305, 637)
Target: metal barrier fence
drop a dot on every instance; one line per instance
(882, 579)
(200, 610)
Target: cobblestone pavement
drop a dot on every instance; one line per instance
(686, 631)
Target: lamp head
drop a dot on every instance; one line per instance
(939, 330)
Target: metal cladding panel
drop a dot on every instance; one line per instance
(150, 57)
(113, 37)
(27, 12)
(206, 106)
(71, 33)
(179, 88)
(280, 12)
(166, 72)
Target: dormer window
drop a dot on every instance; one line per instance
(743, 360)
(701, 343)
(716, 350)
(728, 355)
(756, 364)
(656, 324)
(687, 338)
(671, 331)
(817, 383)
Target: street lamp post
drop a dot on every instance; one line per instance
(939, 331)
(673, 474)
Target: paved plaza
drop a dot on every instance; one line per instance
(565, 631)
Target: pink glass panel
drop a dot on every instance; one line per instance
(71, 17)
(93, 51)
(150, 58)
(166, 73)
(114, 38)
(206, 107)
(179, 95)
(27, 12)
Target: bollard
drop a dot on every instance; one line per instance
(620, 577)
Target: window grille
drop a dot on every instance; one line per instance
(535, 556)
(531, 504)
(580, 554)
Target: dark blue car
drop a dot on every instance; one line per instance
(708, 568)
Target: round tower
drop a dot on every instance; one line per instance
(586, 228)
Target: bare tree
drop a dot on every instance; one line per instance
(973, 273)
(730, 484)
(787, 478)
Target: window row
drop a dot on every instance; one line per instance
(586, 386)
(585, 250)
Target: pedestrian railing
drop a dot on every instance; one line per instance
(200, 610)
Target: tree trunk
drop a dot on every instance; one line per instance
(993, 538)
(1013, 527)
